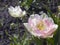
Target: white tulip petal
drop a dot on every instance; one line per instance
(43, 15)
(30, 30)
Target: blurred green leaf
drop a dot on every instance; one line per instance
(57, 35)
(18, 43)
(50, 41)
(16, 36)
(11, 43)
(38, 41)
(27, 3)
(26, 41)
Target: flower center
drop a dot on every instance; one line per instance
(41, 25)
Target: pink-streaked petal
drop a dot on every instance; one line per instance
(32, 22)
(48, 21)
(43, 15)
(34, 19)
(35, 16)
(51, 36)
(52, 29)
(39, 32)
(46, 36)
(30, 30)
(49, 33)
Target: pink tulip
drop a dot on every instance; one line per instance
(41, 25)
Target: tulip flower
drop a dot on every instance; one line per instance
(16, 11)
(41, 26)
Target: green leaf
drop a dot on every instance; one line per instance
(50, 41)
(57, 36)
(38, 41)
(26, 3)
(11, 43)
(18, 43)
(26, 41)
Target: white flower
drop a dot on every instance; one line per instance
(16, 11)
(41, 25)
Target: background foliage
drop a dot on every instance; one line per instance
(12, 30)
